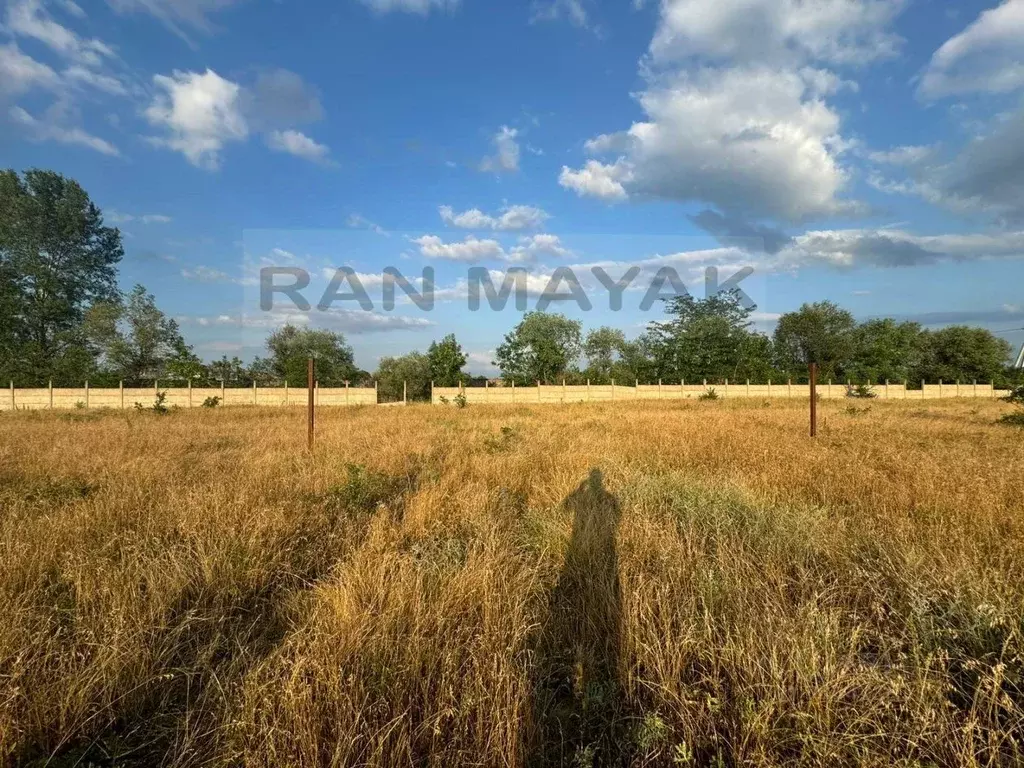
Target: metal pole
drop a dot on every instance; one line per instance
(309, 377)
(814, 399)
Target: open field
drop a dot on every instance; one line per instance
(647, 583)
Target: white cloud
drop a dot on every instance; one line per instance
(119, 217)
(83, 76)
(506, 156)
(902, 155)
(28, 18)
(177, 15)
(200, 112)
(775, 31)
(987, 56)
(745, 140)
(421, 7)
(358, 221)
(204, 274)
(533, 246)
(600, 180)
(553, 10)
(50, 129)
(20, 73)
(511, 218)
(298, 144)
(468, 251)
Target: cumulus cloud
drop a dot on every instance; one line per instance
(750, 141)
(987, 56)
(776, 31)
(553, 10)
(469, 251)
(510, 218)
(200, 112)
(506, 152)
(531, 247)
(298, 144)
(736, 111)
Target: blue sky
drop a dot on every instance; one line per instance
(870, 152)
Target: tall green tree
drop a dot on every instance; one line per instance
(885, 350)
(704, 339)
(446, 360)
(138, 343)
(821, 333)
(543, 347)
(962, 353)
(604, 347)
(411, 370)
(57, 259)
(291, 347)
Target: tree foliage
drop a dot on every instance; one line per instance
(56, 261)
(412, 370)
(543, 347)
(446, 360)
(291, 347)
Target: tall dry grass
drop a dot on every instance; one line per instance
(621, 584)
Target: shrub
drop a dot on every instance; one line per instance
(1016, 395)
(860, 391)
(460, 400)
(709, 395)
(1015, 419)
(211, 402)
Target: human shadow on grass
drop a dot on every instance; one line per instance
(579, 710)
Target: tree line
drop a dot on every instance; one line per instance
(63, 319)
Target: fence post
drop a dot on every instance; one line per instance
(120, 388)
(789, 388)
(254, 391)
(830, 389)
(87, 394)
(726, 393)
(431, 391)
(13, 406)
(940, 389)
(286, 391)
(814, 399)
(613, 389)
(310, 407)
(769, 389)
(748, 387)
(975, 390)
(51, 393)
(588, 390)
(223, 399)
(405, 393)
(190, 391)
(886, 389)
(376, 392)
(563, 389)
(958, 387)
(538, 390)
(513, 390)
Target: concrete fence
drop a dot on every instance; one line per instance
(584, 393)
(183, 397)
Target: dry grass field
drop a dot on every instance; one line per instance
(645, 584)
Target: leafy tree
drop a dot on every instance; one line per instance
(821, 333)
(232, 372)
(137, 342)
(413, 369)
(704, 339)
(959, 352)
(604, 347)
(56, 260)
(446, 360)
(885, 349)
(290, 349)
(543, 347)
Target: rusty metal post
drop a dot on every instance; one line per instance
(310, 408)
(814, 399)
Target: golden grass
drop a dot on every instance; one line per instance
(623, 584)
